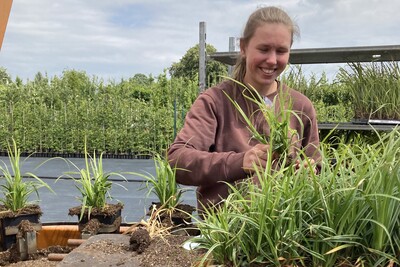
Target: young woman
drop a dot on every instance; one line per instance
(215, 145)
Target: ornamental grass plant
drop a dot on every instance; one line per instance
(16, 188)
(163, 185)
(347, 215)
(93, 183)
(277, 116)
(331, 99)
(374, 89)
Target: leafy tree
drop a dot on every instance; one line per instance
(188, 66)
(4, 76)
(141, 79)
(18, 81)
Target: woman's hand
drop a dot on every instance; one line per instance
(306, 164)
(257, 155)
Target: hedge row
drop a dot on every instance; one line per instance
(131, 117)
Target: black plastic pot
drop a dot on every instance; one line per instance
(103, 219)
(100, 223)
(9, 228)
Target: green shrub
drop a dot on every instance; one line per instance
(16, 191)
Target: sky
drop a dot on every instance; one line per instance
(115, 39)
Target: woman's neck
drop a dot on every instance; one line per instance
(271, 89)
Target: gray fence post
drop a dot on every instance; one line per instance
(202, 57)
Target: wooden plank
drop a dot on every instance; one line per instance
(56, 235)
(5, 8)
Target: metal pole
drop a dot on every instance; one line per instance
(175, 118)
(231, 49)
(202, 57)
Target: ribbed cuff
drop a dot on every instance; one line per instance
(234, 167)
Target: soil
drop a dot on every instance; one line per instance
(138, 248)
(176, 219)
(30, 209)
(139, 240)
(107, 219)
(108, 210)
(169, 252)
(182, 212)
(39, 259)
(162, 251)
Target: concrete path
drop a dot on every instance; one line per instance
(92, 253)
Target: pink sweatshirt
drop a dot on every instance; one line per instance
(211, 145)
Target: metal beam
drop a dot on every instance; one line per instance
(356, 126)
(328, 55)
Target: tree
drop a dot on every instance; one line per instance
(141, 79)
(4, 76)
(188, 66)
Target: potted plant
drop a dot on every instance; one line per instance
(373, 90)
(169, 209)
(95, 214)
(19, 217)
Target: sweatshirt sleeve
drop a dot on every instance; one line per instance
(192, 151)
(311, 134)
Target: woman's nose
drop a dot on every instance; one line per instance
(271, 58)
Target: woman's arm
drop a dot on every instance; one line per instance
(192, 151)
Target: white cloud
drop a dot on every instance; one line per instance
(114, 39)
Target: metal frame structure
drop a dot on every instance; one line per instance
(334, 55)
(327, 55)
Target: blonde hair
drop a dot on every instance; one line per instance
(257, 18)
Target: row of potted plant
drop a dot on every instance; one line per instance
(136, 116)
(346, 215)
(96, 214)
(54, 114)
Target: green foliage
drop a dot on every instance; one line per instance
(348, 214)
(141, 79)
(93, 183)
(132, 116)
(374, 89)
(144, 113)
(278, 118)
(4, 77)
(188, 66)
(16, 191)
(331, 100)
(163, 185)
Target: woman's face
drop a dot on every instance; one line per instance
(267, 54)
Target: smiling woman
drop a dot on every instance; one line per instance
(215, 147)
(5, 7)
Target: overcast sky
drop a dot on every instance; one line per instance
(114, 39)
